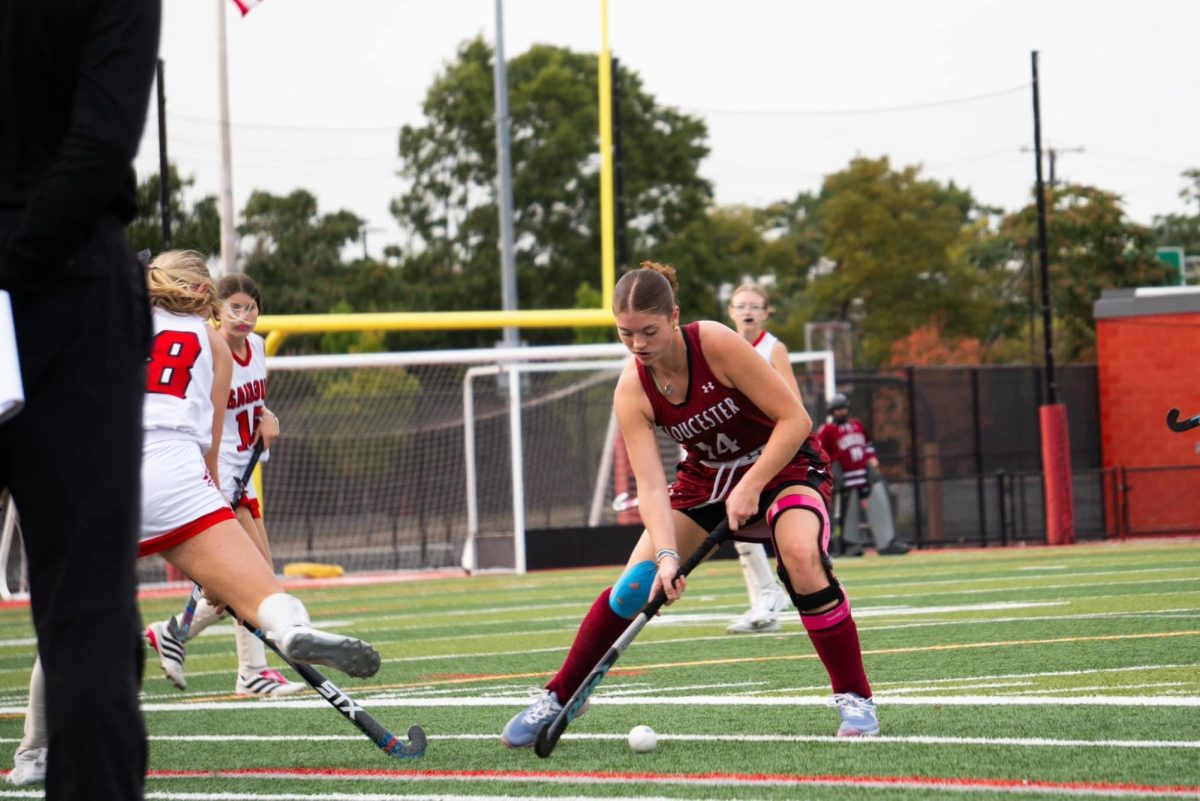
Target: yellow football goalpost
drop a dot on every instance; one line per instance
(279, 326)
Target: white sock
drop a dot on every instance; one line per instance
(252, 656)
(205, 616)
(279, 612)
(35, 713)
(756, 569)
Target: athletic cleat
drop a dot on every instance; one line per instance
(858, 715)
(170, 650)
(522, 731)
(894, 548)
(310, 646)
(763, 616)
(267, 684)
(29, 767)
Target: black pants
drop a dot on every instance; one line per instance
(72, 460)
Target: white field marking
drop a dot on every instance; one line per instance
(1043, 567)
(874, 611)
(1038, 588)
(618, 692)
(959, 687)
(1109, 687)
(20, 642)
(1023, 742)
(1147, 701)
(969, 579)
(1038, 675)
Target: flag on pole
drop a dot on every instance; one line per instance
(245, 5)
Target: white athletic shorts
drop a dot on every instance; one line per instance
(179, 498)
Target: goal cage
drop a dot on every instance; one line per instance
(426, 460)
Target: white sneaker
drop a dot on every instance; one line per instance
(310, 646)
(267, 684)
(170, 650)
(29, 767)
(762, 616)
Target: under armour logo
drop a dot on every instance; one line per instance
(708, 387)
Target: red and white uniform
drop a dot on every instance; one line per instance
(247, 399)
(724, 434)
(764, 344)
(179, 498)
(850, 446)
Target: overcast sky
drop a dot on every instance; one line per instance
(791, 90)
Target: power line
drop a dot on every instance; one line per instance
(859, 111)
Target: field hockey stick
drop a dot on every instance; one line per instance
(1174, 423)
(239, 491)
(387, 742)
(548, 737)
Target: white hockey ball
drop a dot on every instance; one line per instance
(642, 739)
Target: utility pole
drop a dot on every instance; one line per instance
(508, 268)
(1052, 159)
(1058, 492)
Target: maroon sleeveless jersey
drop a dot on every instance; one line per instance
(724, 434)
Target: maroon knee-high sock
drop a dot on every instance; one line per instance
(841, 653)
(600, 628)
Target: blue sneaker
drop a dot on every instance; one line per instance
(858, 715)
(522, 730)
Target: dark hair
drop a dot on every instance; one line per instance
(234, 283)
(650, 288)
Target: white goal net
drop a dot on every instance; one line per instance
(410, 461)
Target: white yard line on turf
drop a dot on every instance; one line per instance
(1022, 742)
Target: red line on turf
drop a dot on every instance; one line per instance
(747, 779)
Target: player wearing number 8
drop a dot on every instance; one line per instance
(246, 421)
(750, 455)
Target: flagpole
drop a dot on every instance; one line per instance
(228, 246)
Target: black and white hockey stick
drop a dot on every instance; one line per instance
(549, 736)
(351, 710)
(1174, 423)
(189, 611)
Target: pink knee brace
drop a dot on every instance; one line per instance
(804, 502)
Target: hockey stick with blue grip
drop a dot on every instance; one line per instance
(548, 737)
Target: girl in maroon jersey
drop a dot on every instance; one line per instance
(750, 455)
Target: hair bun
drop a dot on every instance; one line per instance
(666, 271)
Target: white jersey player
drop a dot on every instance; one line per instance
(748, 309)
(246, 422)
(184, 515)
(243, 413)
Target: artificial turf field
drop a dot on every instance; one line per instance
(1029, 672)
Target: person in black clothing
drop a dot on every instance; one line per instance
(75, 78)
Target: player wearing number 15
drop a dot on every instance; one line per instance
(750, 455)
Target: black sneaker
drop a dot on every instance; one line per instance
(895, 548)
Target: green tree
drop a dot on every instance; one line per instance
(896, 256)
(197, 227)
(449, 207)
(1182, 230)
(295, 252)
(1092, 246)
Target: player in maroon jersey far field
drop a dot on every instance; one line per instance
(860, 485)
(750, 455)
